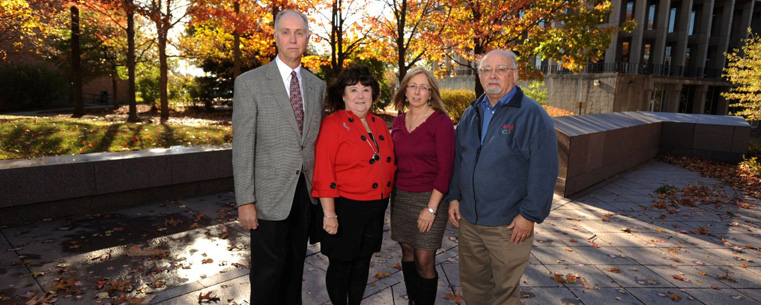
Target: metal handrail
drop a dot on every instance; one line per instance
(639, 68)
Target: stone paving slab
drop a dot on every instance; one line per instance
(620, 246)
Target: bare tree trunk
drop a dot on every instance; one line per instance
(114, 84)
(131, 61)
(162, 28)
(76, 69)
(340, 39)
(400, 47)
(236, 44)
(164, 67)
(478, 49)
(275, 11)
(334, 38)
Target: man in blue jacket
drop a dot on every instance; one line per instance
(506, 165)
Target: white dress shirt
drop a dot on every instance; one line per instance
(285, 73)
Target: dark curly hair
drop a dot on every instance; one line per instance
(350, 76)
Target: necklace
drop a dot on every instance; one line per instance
(419, 120)
(376, 153)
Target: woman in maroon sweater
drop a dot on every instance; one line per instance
(424, 148)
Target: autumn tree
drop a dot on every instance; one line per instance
(227, 37)
(76, 59)
(412, 32)
(165, 14)
(25, 26)
(107, 25)
(569, 31)
(123, 13)
(346, 28)
(744, 72)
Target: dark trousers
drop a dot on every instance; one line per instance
(278, 249)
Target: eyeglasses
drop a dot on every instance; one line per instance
(414, 87)
(501, 70)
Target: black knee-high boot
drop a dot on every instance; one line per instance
(427, 290)
(410, 280)
(337, 281)
(360, 269)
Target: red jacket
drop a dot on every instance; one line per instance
(344, 163)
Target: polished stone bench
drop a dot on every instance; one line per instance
(93, 183)
(595, 147)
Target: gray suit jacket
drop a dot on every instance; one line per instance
(269, 154)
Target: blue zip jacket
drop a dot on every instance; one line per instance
(513, 171)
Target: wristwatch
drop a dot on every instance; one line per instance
(431, 210)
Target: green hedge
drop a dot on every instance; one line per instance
(457, 101)
(31, 87)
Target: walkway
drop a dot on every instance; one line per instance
(615, 244)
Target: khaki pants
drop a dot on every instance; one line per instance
(491, 265)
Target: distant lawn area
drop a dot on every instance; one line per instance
(31, 137)
(106, 130)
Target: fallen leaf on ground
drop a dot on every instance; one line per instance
(381, 275)
(136, 250)
(673, 296)
(207, 297)
(456, 296)
(681, 278)
(727, 277)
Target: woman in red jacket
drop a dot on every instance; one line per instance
(354, 175)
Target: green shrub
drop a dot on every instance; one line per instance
(180, 89)
(31, 87)
(753, 165)
(148, 87)
(457, 101)
(537, 91)
(754, 149)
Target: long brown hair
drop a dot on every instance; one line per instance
(400, 102)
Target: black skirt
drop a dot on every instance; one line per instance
(360, 229)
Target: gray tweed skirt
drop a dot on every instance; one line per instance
(405, 210)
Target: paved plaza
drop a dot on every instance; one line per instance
(617, 243)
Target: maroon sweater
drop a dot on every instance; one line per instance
(425, 156)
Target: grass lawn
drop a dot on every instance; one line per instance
(40, 136)
(106, 130)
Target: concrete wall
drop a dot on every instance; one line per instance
(103, 83)
(565, 91)
(595, 147)
(632, 93)
(100, 182)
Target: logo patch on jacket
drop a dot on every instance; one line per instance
(507, 128)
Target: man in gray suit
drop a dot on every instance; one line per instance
(276, 118)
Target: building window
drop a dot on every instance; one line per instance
(672, 19)
(715, 20)
(651, 17)
(625, 51)
(646, 53)
(629, 10)
(667, 58)
(658, 98)
(692, 23)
